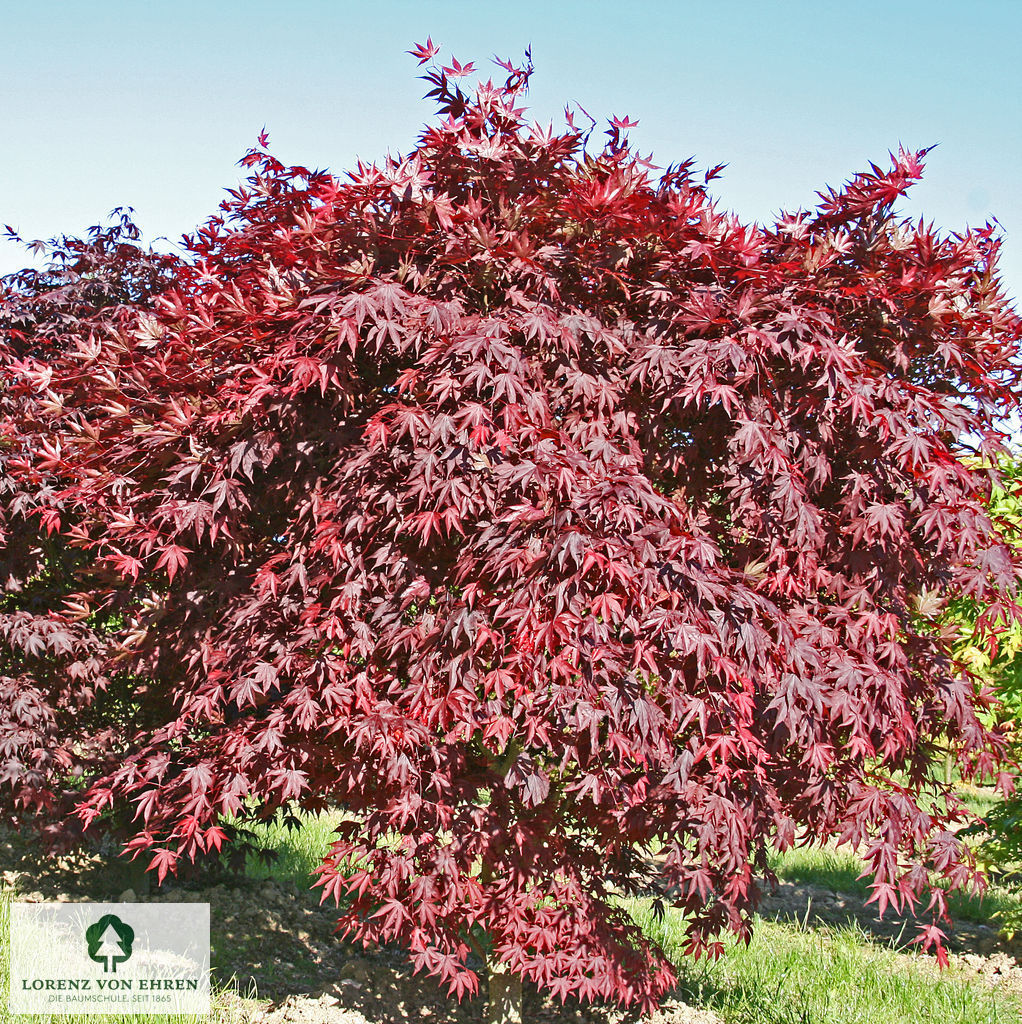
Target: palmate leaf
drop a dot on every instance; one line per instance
(531, 508)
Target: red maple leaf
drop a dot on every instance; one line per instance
(424, 52)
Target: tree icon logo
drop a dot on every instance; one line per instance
(109, 941)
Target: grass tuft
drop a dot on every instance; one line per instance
(299, 851)
(793, 975)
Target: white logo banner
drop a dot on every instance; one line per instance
(140, 958)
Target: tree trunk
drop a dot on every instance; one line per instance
(503, 987)
(504, 994)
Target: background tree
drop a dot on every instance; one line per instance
(997, 837)
(518, 499)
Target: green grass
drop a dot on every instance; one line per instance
(298, 851)
(794, 975)
(979, 800)
(834, 868)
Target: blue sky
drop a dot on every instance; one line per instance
(150, 104)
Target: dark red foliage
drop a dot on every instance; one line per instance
(518, 500)
(66, 710)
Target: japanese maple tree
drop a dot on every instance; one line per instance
(518, 499)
